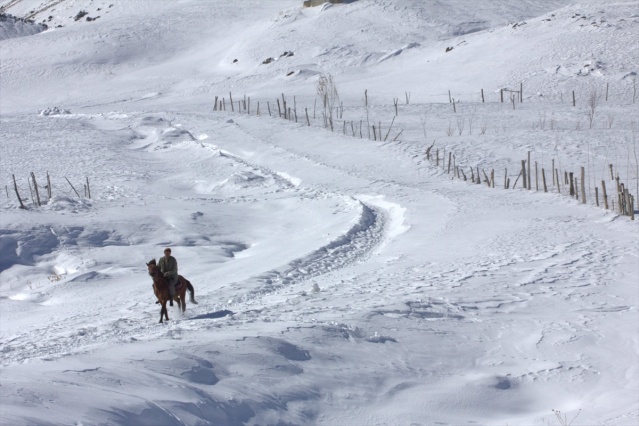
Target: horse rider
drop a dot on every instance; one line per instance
(168, 267)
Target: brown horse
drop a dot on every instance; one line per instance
(161, 289)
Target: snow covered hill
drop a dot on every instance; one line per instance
(350, 276)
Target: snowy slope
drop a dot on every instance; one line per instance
(340, 280)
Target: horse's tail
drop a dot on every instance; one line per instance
(189, 286)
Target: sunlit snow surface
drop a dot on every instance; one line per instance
(340, 280)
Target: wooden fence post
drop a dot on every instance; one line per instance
(523, 172)
(597, 196)
(88, 189)
(529, 177)
(605, 196)
(48, 185)
(35, 186)
(231, 98)
(15, 186)
(557, 177)
(583, 185)
(76, 192)
(543, 179)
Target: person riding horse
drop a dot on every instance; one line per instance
(169, 268)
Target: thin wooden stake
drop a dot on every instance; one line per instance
(543, 179)
(487, 179)
(583, 185)
(49, 185)
(389, 129)
(15, 186)
(605, 196)
(76, 192)
(529, 177)
(35, 186)
(89, 188)
(572, 185)
(518, 176)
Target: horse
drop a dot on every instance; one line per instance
(181, 281)
(161, 289)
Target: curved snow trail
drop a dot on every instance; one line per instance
(356, 244)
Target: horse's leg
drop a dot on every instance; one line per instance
(166, 311)
(163, 311)
(183, 299)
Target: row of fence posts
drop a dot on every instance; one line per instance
(625, 200)
(244, 105)
(287, 113)
(575, 187)
(34, 190)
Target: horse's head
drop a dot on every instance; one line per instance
(152, 266)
